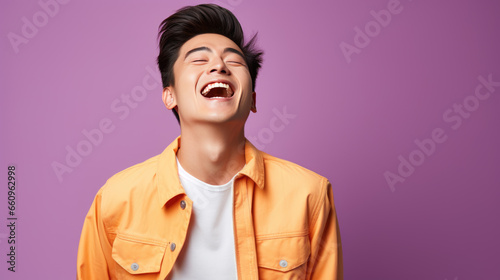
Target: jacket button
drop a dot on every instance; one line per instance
(183, 204)
(172, 247)
(283, 263)
(134, 266)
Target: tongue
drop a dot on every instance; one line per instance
(217, 92)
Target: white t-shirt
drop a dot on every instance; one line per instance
(208, 252)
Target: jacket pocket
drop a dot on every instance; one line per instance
(137, 257)
(283, 257)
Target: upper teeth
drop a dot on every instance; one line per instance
(214, 85)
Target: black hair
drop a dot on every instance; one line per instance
(189, 21)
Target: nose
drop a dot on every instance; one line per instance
(219, 67)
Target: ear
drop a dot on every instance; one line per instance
(168, 98)
(254, 101)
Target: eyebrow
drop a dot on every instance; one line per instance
(203, 48)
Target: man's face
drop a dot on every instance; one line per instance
(212, 82)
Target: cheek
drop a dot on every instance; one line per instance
(186, 84)
(185, 77)
(246, 81)
(247, 97)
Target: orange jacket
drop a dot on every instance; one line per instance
(285, 224)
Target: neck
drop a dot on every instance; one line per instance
(211, 154)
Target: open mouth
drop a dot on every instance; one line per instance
(217, 90)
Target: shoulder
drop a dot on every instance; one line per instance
(136, 179)
(275, 165)
(137, 172)
(293, 187)
(295, 177)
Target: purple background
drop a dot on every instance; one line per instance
(353, 120)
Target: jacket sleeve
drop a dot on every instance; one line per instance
(325, 261)
(94, 250)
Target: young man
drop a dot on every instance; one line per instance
(211, 206)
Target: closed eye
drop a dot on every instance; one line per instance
(236, 62)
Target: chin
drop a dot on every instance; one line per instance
(225, 118)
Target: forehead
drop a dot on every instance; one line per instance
(216, 42)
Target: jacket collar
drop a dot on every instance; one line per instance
(167, 179)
